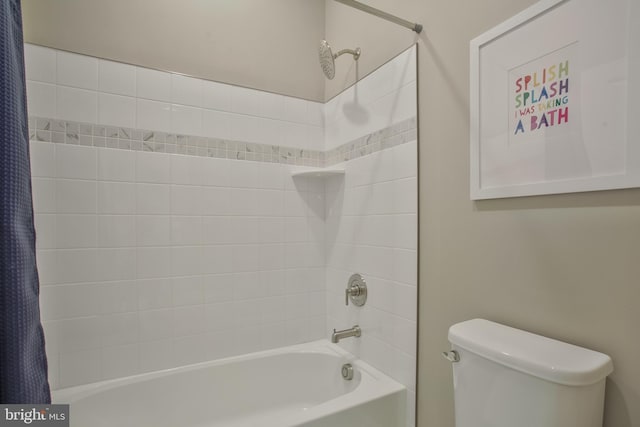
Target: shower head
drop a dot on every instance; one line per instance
(327, 58)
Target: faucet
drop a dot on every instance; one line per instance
(351, 332)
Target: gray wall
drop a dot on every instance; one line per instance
(565, 266)
(264, 44)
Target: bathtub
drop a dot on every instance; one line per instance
(299, 385)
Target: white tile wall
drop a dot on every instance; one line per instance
(371, 223)
(371, 228)
(151, 260)
(76, 104)
(137, 252)
(68, 86)
(77, 71)
(116, 110)
(116, 78)
(382, 98)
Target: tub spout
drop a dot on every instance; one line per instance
(351, 332)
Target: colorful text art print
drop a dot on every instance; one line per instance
(540, 101)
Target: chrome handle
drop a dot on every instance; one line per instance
(452, 356)
(353, 291)
(356, 291)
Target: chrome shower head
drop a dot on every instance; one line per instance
(327, 58)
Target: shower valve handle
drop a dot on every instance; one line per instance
(356, 291)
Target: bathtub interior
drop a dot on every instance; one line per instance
(285, 387)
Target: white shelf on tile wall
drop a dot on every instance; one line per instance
(317, 172)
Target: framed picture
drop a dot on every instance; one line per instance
(555, 100)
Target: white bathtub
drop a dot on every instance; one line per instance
(299, 385)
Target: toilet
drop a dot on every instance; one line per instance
(506, 377)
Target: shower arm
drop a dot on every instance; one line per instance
(355, 53)
(384, 15)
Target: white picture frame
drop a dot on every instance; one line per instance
(524, 141)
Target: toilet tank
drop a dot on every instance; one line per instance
(506, 377)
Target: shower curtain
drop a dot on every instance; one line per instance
(23, 362)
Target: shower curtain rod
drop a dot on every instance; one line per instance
(384, 15)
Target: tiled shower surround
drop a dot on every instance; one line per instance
(170, 229)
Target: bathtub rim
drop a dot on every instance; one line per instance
(366, 390)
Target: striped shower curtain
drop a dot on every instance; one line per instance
(23, 362)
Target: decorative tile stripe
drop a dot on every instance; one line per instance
(68, 132)
(396, 134)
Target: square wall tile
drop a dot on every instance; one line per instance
(153, 168)
(118, 296)
(119, 329)
(116, 110)
(188, 321)
(79, 71)
(40, 63)
(187, 291)
(245, 101)
(43, 158)
(116, 78)
(272, 132)
(272, 105)
(186, 200)
(186, 260)
(115, 264)
(190, 349)
(41, 99)
(405, 198)
(153, 199)
(216, 96)
(47, 266)
(77, 105)
(296, 110)
(216, 124)
(246, 128)
(156, 355)
(153, 115)
(405, 161)
(405, 266)
(296, 135)
(156, 324)
(186, 90)
(116, 165)
(119, 361)
(116, 198)
(186, 120)
(116, 231)
(68, 301)
(153, 230)
(152, 84)
(186, 230)
(80, 367)
(76, 266)
(153, 263)
(45, 225)
(154, 293)
(76, 231)
(74, 161)
(75, 196)
(405, 234)
(44, 195)
(218, 288)
(315, 113)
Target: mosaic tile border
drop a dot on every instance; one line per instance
(391, 136)
(76, 133)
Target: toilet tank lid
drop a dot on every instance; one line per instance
(533, 354)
